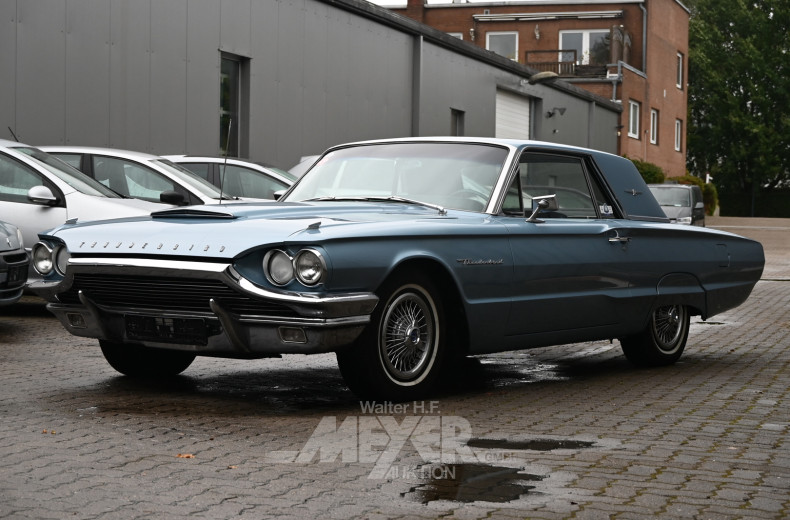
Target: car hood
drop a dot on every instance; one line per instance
(215, 231)
(8, 237)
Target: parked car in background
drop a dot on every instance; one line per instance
(304, 164)
(237, 177)
(39, 192)
(140, 175)
(13, 264)
(401, 255)
(682, 203)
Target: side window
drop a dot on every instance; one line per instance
(199, 169)
(72, 159)
(129, 178)
(566, 178)
(16, 179)
(243, 182)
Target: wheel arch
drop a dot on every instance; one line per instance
(455, 311)
(684, 289)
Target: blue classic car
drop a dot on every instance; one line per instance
(400, 256)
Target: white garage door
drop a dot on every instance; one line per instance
(512, 115)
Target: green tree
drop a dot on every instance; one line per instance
(739, 93)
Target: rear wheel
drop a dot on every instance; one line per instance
(145, 362)
(399, 355)
(664, 339)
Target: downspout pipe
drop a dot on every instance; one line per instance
(644, 37)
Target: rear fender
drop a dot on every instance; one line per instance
(684, 289)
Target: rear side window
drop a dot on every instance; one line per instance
(566, 177)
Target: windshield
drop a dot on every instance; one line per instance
(677, 197)
(192, 180)
(68, 174)
(450, 175)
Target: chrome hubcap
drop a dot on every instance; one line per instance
(407, 337)
(668, 326)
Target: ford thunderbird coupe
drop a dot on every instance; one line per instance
(401, 256)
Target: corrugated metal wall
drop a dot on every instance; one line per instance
(144, 75)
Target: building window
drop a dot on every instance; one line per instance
(654, 126)
(233, 104)
(456, 122)
(503, 43)
(458, 35)
(592, 47)
(678, 134)
(633, 119)
(680, 71)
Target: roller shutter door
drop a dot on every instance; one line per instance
(512, 115)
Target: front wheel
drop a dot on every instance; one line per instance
(399, 354)
(664, 339)
(145, 362)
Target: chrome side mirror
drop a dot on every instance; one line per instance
(542, 203)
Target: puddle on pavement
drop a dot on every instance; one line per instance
(471, 483)
(534, 444)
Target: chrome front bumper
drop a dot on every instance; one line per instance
(317, 323)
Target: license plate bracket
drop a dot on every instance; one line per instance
(183, 331)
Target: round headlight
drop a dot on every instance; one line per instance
(278, 267)
(62, 256)
(310, 267)
(42, 259)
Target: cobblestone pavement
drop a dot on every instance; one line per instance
(562, 432)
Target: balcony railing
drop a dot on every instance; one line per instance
(563, 62)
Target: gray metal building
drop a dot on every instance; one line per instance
(294, 76)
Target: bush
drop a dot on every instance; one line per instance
(651, 173)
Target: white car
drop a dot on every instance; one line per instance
(140, 175)
(39, 192)
(237, 177)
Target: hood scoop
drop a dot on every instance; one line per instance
(192, 213)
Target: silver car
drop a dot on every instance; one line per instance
(140, 175)
(39, 192)
(237, 177)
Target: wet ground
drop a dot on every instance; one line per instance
(562, 432)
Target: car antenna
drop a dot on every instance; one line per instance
(225, 163)
(12, 133)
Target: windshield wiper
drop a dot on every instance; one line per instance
(392, 198)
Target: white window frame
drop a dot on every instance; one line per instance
(634, 108)
(458, 35)
(502, 33)
(678, 135)
(679, 83)
(584, 59)
(653, 126)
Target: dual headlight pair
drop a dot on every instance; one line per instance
(46, 259)
(308, 266)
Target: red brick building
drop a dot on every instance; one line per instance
(630, 51)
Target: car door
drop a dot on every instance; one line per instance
(16, 180)
(570, 264)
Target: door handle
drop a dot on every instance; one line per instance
(618, 239)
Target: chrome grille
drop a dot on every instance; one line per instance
(166, 294)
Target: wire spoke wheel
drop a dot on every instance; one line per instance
(408, 336)
(668, 325)
(663, 340)
(401, 352)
